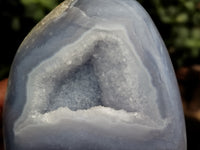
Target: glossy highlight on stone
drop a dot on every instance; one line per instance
(94, 75)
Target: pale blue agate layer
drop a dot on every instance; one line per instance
(94, 75)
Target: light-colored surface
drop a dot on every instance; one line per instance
(52, 16)
(97, 76)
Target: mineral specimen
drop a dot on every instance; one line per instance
(94, 75)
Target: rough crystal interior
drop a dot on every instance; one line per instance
(94, 75)
(77, 90)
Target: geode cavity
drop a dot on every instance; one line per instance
(94, 75)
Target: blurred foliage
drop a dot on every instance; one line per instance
(37, 9)
(179, 24)
(178, 21)
(17, 18)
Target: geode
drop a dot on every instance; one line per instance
(94, 75)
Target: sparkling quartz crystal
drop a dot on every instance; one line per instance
(94, 75)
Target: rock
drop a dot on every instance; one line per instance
(94, 75)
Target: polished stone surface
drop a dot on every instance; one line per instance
(94, 75)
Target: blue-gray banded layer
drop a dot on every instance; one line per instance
(97, 76)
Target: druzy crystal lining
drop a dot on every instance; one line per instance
(94, 76)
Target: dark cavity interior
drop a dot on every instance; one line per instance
(77, 90)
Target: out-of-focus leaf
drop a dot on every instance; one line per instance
(15, 23)
(196, 18)
(192, 43)
(190, 5)
(50, 4)
(182, 18)
(196, 33)
(195, 53)
(37, 9)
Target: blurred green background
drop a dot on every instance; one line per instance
(178, 21)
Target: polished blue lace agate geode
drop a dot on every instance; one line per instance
(94, 75)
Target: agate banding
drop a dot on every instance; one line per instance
(94, 75)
